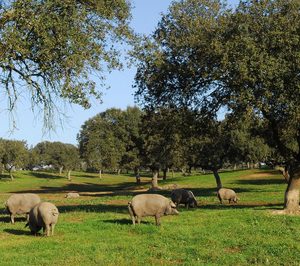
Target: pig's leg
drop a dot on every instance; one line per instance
(52, 229)
(47, 230)
(12, 218)
(157, 219)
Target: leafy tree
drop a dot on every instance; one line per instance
(206, 56)
(33, 158)
(14, 154)
(59, 155)
(133, 155)
(112, 140)
(162, 139)
(50, 48)
(44, 151)
(69, 157)
(245, 140)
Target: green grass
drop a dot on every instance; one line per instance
(96, 229)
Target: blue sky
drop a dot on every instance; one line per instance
(146, 14)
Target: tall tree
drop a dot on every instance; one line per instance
(206, 56)
(112, 140)
(162, 139)
(49, 49)
(132, 157)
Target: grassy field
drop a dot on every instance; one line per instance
(96, 229)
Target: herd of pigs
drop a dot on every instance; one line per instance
(44, 215)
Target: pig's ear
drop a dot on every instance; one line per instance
(172, 204)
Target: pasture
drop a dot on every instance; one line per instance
(96, 229)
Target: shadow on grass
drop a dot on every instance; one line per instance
(120, 188)
(93, 208)
(122, 221)
(260, 181)
(45, 175)
(17, 232)
(6, 219)
(88, 176)
(206, 192)
(241, 206)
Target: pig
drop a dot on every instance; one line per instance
(43, 215)
(150, 205)
(21, 204)
(184, 196)
(227, 194)
(72, 195)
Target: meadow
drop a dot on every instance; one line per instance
(96, 228)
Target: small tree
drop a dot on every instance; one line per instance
(59, 155)
(14, 155)
(69, 158)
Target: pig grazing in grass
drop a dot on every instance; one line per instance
(71, 195)
(44, 215)
(150, 205)
(21, 204)
(227, 194)
(183, 196)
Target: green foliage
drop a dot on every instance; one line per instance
(13, 154)
(53, 47)
(111, 140)
(206, 56)
(162, 134)
(57, 154)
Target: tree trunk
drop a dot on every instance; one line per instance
(218, 179)
(119, 171)
(69, 175)
(10, 174)
(60, 170)
(137, 175)
(172, 173)
(291, 196)
(284, 171)
(165, 174)
(100, 174)
(234, 167)
(154, 179)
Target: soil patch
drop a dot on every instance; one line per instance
(260, 175)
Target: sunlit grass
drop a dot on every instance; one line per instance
(96, 229)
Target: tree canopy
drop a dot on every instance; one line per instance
(49, 49)
(13, 154)
(206, 56)
(57, 154)
(111, 140)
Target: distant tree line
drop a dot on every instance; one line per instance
(162, 140)
(168, 139)
(15, 154)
